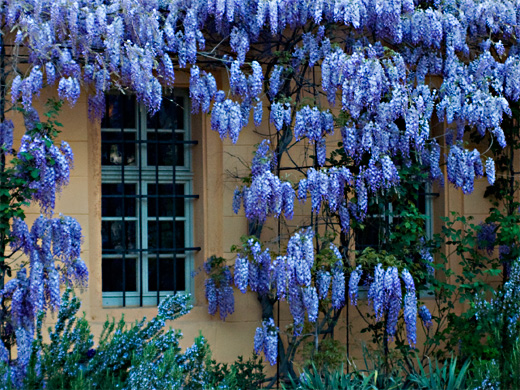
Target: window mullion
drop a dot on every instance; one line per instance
(158, 243)
(141, 202)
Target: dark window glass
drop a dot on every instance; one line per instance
(115, 152)
(120, 112)
(170, 278)
(165, 201)
(117, 240)
(372, 233)
(163, 230)
(169, 117)
(112, 201)
(161, 149)
(112, 274)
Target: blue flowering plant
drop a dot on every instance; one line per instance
(487, 252)
(143, 355)
(377, 76)
(218, 287)
(36, 261)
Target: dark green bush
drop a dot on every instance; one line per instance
(139, 356)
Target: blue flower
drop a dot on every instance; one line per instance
(490, 170)
(310, 301)
(338, 286)
(353, 284)
(241, 273)
(323, 279)
(425, 316)
(275, 81)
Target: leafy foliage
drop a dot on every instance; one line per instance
(128, 356)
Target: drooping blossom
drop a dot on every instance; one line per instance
(266, 340)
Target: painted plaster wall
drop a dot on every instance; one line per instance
(216, 228)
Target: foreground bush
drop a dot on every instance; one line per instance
(439, 376)
(138, 356)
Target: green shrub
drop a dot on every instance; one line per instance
(137, 356)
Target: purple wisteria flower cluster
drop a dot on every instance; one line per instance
(315, 125)
(218, 287)
(502, 311)
(464, 166)
(6, 136)
(291, 277)
(328, 185)
(426, 316)
(53, 247)
(487, 236)
(43, 166)
(253, 268)
(228, 116)
(385, 295)
(267, 195)
(137, 45)
(266, 340)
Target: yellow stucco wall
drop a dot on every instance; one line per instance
(215, 225)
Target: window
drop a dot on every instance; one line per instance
(384, 215)
(146, 201)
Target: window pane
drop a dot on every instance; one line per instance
(114, 238)
(113, 206)
(163, 230)
(167, 274)
(112, 274)
(114, 152)
(170, 116)
(161, 152)
(120, 112)
(165, 201)
(421, 201)
(371, 235)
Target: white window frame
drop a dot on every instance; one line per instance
(183, 176)
(428, 212)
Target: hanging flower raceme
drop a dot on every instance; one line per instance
(376, 292)
(219, 288)
(300, 258)
(280, 115)
(54, 248)
(338, 286)
(202, 90)
(410, 307)
(325, 185)
(464, 166)
(393, 299)
(323, 279)
(425, 316)
(266, 340)
(385, 296)
(6, 136)
(314, 125)
(353, 284)
(427, 260)
(275, 81)
(44, 166)
(486, 237)
(226, 117)
(253, 268)
(490, 170)
(267, 195)
(23, 321)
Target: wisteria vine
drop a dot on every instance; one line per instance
(387, 73)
